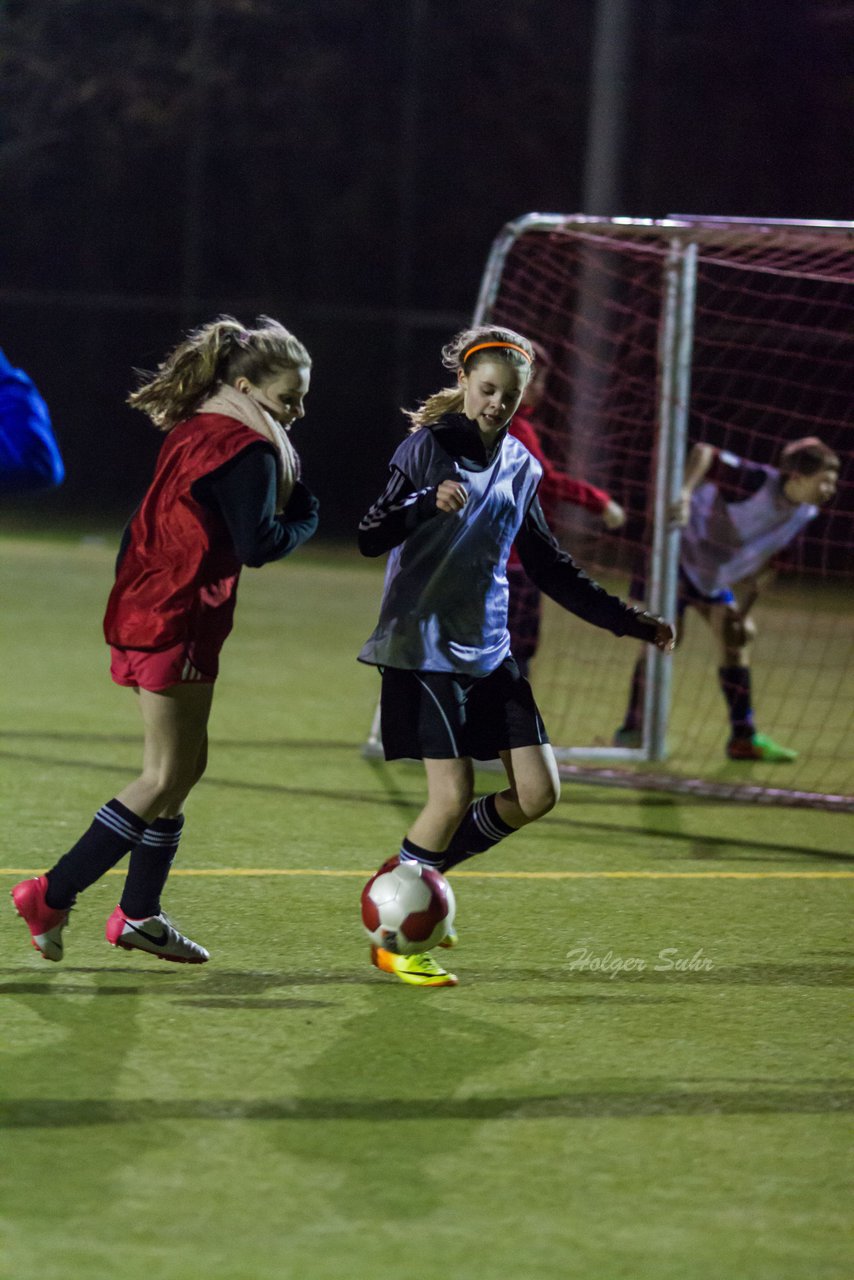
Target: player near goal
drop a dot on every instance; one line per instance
(735, 515)
(461, 490)
(225, 494)
(525, 604)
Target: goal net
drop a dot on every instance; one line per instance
(662, 334)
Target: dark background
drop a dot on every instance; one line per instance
(344, 165)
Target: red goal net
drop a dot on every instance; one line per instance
(764, 339)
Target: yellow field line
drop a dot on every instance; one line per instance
(493, 875)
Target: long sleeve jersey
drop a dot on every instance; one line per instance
(210, 509)
(243, 491)
(556, 486)
(444, 604)
(739, 517)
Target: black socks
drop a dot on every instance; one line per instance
(480, 829)
(113, 832)
(150, 862)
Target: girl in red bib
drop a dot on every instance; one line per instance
(226, 493)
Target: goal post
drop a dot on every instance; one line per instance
(661, 333)
(674, 380)
(735, 331)
(678, 267)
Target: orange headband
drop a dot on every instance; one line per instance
(513, 346)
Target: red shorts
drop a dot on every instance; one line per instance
(189, 662)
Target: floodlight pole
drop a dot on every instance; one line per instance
(195, 160)
(607, 116)
(602, 196)
(410, 111)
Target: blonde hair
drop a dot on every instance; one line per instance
(509, 347)
(216, 353)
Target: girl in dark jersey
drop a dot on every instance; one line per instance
(525, 605)
(226, 493)
(461, 491)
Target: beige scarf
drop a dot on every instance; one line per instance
(232, 403)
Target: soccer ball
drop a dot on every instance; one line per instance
(407, 908)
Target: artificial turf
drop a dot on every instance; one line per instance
(644, 1072)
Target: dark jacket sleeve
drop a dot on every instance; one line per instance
(244, 491)
(555, 572)
(399, 510)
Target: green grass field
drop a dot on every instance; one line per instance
(644, 1072)
(803, 685)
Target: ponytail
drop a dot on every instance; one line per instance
(215, 353)
(449, 400)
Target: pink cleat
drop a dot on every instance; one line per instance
(44, 923)
(157, 935)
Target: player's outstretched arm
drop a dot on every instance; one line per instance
(664, 636)
(697, 467)
(613, 515)
(555, 572)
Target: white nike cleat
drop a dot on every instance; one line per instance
(157, 935)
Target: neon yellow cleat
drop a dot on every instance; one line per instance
(450, 939)
(419, 970)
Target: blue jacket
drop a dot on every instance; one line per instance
(29, 454)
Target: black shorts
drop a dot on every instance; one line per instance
(436, 715)
(686, 593)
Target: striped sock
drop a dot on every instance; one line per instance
(114, 830)
(480, 829)
(411, 852)
(150, 863)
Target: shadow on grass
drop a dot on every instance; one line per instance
(264, 788)
(222, 988)
(135, 739)
(232, 985)
(707, 847)
(754, 975)
(394, 795)
(625, 1100)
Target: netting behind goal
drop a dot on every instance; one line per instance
(768, 348)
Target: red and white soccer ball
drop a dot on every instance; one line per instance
(407, 908)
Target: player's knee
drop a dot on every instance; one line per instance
(199, 770)
(454, 802)
(538, 798)
(737, 631)
(457, 808)
(170, 786)
(736, 647)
